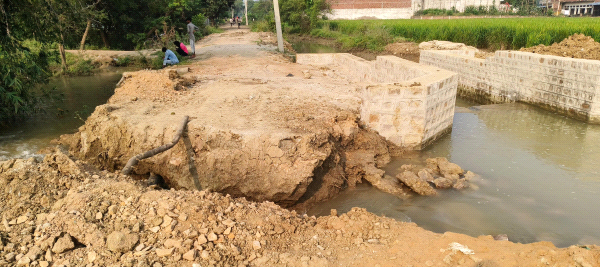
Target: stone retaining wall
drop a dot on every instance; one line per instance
(408, 103)
(565, 85)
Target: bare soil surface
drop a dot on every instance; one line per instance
(261, 126)
(575, 46)
(106, 58)
(254, 129)
(61, 212)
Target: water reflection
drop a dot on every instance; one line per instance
(81, 96)
(540, 178)
(308, 47)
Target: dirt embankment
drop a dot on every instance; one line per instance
(259, 127)
(574, 46)
(61, 212)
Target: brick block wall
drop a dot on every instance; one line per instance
(565, 85)
(458, 4)
(362, 4)
(408, 103)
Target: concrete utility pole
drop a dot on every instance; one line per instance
(278, 26)
(246, 8)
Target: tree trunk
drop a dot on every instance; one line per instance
(104, 39)
(87, 30)
(61, 50)
(63, 57)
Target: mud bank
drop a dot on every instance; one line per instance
(260, 127)
(61, 212)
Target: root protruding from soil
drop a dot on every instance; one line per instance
(134, 160)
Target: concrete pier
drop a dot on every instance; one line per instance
(408, 103)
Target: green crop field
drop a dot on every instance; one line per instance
(497, 33)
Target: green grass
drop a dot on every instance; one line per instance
(505, 33)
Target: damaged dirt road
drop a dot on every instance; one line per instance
(255, 131)
(259, 128)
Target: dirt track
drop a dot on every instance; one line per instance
(66, 212)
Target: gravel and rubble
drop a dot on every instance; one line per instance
(62, 212)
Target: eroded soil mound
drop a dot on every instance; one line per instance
(260, 127)
(574, 46)
(60, 212)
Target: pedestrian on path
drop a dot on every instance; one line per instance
(239, 21)
(191, 28)
(170, 57)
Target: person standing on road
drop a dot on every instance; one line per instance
(239, 21)
(170, 57)
(191, 28)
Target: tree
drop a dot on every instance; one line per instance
(297, 16)
(20, 68)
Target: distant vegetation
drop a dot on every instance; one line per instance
(297, 16)
(505, 33)
(35, 34)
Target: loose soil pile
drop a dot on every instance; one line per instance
(406, 50)
(575, 46)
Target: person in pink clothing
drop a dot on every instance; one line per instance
(180, 48)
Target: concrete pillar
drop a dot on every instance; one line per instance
(278, 26)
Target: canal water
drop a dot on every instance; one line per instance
(308, 47)
(80, 95)
(539, 178)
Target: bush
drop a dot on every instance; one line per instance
(21, 69)
(262, 26)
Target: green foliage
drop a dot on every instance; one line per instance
(503, 33)
(261, 26)
(436, 12)
(211, 30)
(297, 16)
(301, 16)
(20, 70)
(261, 11)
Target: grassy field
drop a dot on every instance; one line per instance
(504, 33)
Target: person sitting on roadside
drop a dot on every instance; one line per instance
(180, 48)
(170, 57)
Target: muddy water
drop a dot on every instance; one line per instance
(540, 178)
(80, 96)
(308, 47)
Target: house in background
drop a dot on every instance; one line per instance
(397, 9)
(577, 8)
